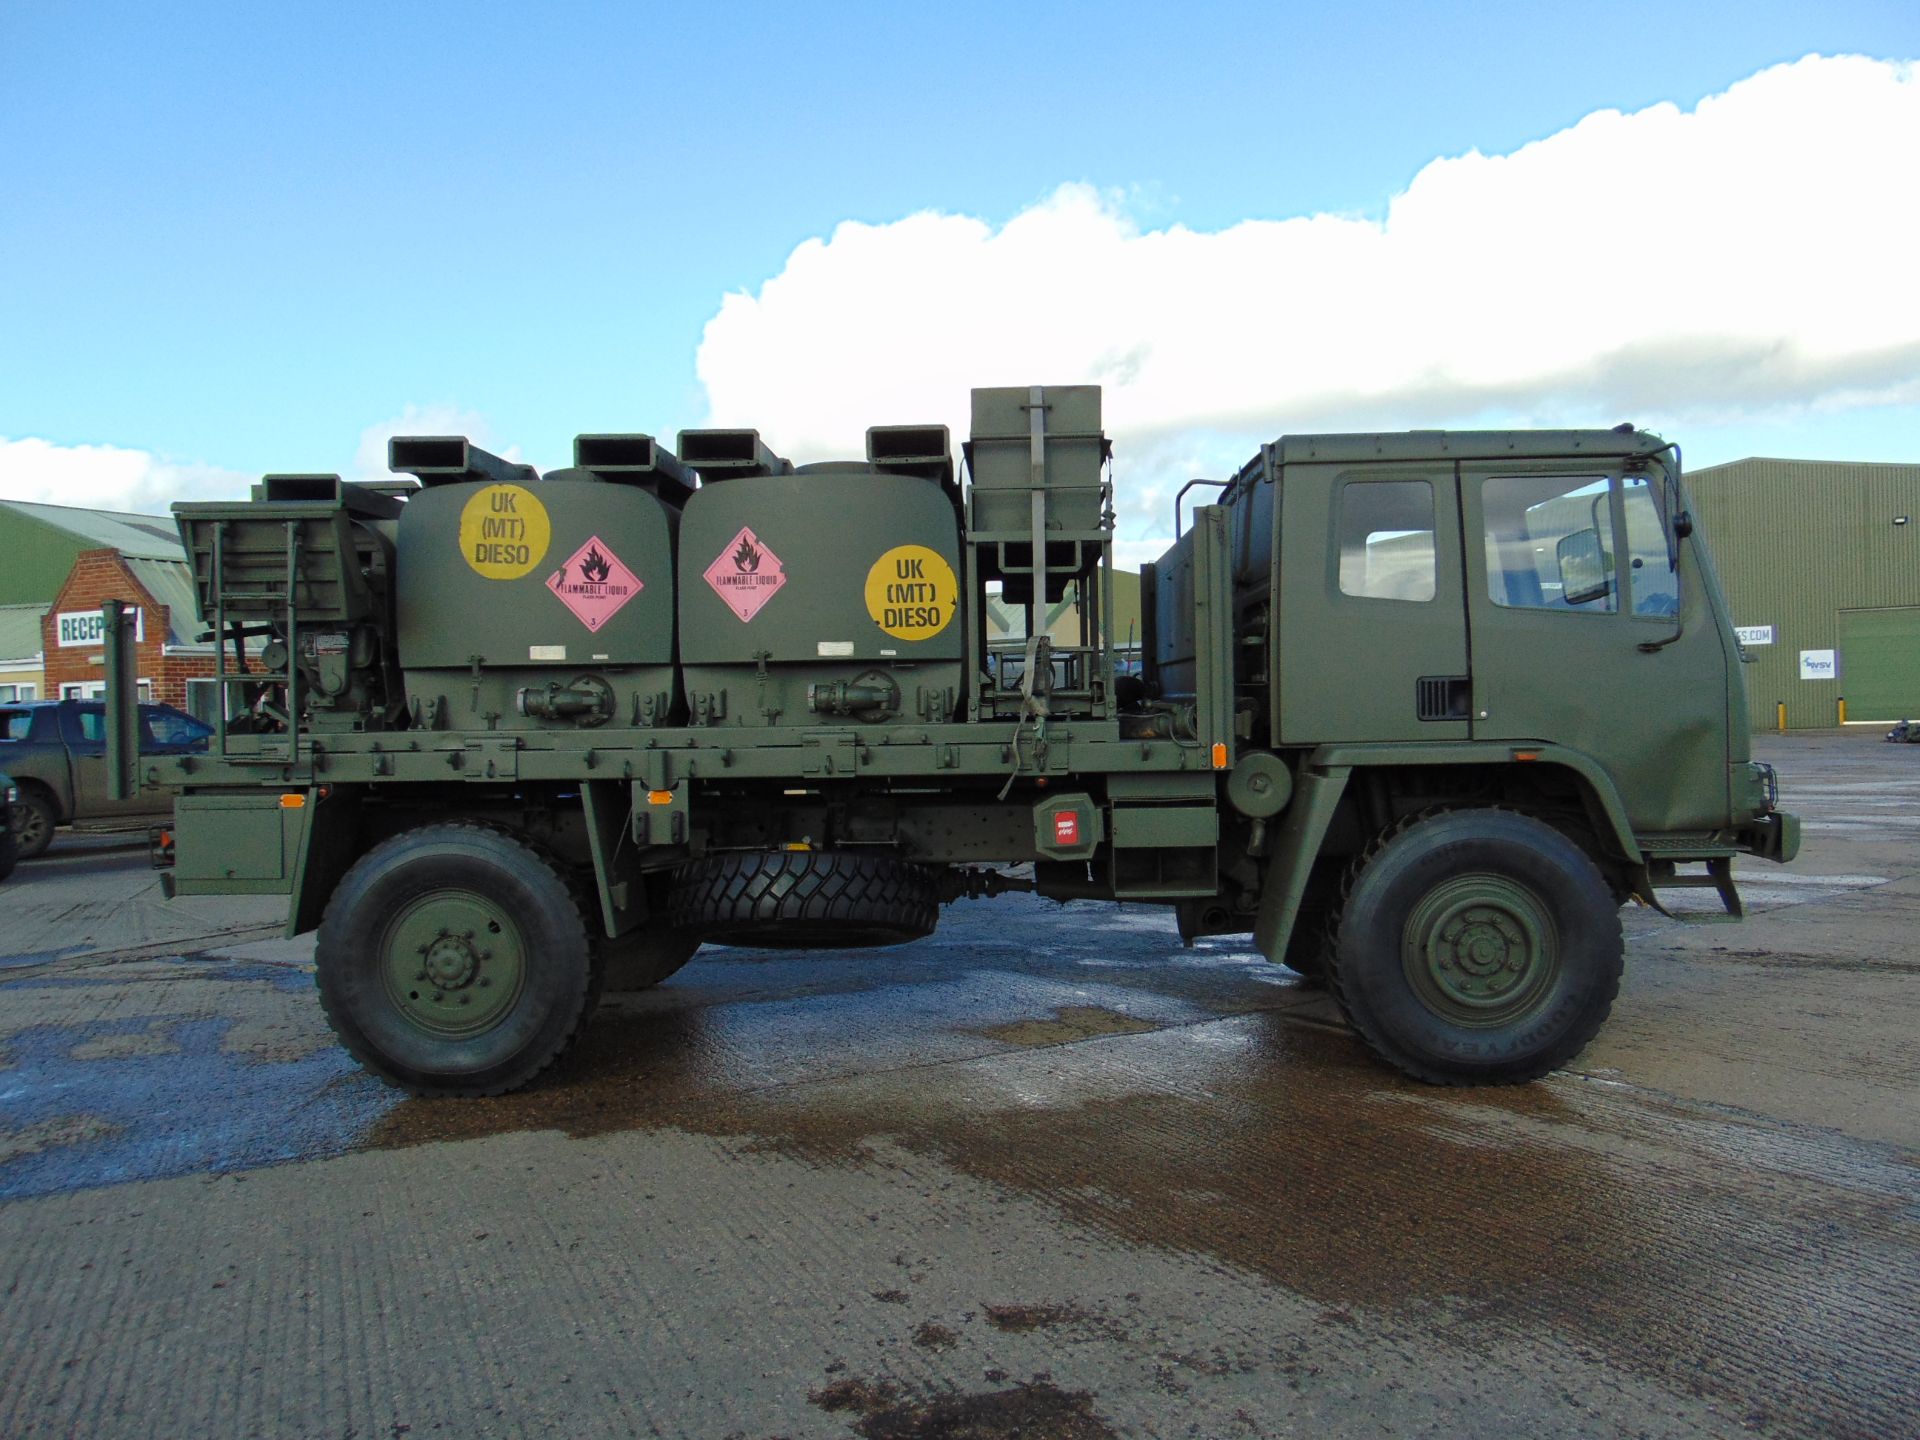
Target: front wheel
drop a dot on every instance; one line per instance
(1477, 947)
(34, 819)
(453, 960)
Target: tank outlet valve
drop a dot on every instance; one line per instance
(587, 701)
(869, 696)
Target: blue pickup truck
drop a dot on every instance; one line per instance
(56, 752)
(9, 843)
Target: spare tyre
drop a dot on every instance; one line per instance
(804, 899)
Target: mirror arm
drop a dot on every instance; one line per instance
(1648, 647)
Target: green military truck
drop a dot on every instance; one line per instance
(1419, 712)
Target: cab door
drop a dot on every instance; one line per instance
(1373, 637)
(1591, 629)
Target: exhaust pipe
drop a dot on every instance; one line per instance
(450, 459)
(727, 454)
(925, 450)
(634, 460)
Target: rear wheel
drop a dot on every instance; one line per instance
(805, 899)
(453, 960)
(1477, 947)
(33, 821)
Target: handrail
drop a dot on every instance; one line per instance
(1217, 484)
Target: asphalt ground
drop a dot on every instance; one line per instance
(1045, 1174)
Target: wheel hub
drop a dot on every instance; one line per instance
(1481, 949)
(454, 963)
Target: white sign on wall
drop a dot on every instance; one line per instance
(1819, 665)
(1753, 634)
(88, 627)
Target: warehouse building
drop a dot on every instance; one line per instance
(23, 671)
(1821, 564)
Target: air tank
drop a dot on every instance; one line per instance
(530, 603)
(824, 594)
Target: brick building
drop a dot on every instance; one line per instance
(175, 665)
(65, 562)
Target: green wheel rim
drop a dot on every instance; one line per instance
(1481, 950)
(453, 963)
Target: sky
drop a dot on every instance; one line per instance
(246, 238)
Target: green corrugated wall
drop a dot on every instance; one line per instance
(1799, 542)
(34, 559)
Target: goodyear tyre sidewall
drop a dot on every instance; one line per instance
(557, 986)
(1374, 944)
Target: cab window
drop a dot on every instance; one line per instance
(15, 724)
(1550, 542)
(1651, 574)
(1385, 540)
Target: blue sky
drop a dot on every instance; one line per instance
(235, 237)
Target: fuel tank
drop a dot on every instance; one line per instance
(823, 595)
(529, 603)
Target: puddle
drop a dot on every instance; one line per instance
(1069, 1023)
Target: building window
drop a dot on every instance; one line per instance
(203, 700)
(15, 693)
(97, 689)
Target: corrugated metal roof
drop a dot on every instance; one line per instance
(143, 537)
(170, 583)
(20, 637)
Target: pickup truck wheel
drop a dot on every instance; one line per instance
(1477, 947)
(641, 960)
(453, 960)
(33, 821)
(805, 899)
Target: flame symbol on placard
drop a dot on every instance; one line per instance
(595, 568)
(747, 557)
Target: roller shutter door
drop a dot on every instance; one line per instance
(1880, 663)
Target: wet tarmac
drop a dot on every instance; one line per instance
(1044, 1173)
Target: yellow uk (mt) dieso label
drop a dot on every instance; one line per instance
(911, 592)
(504, 531)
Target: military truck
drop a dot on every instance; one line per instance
(1418, 712)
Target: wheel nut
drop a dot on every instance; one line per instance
(466, 999)
(438, 996)
(484, 981)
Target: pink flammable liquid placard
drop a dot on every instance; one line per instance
(746, 574)
(593, 584)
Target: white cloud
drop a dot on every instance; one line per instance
(112, 477)
(108, 477)
(1751, 255)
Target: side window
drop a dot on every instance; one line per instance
(93, 724)
(14, 724)
(1650, 558)
(1385, 539)
(160, 725)
(1550, 542)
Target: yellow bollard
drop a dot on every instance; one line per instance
(1780, 714)
(1843, 709)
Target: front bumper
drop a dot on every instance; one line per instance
(1773, 837)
